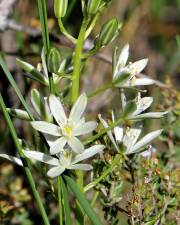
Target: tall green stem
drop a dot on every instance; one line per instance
(77, 61)
(60, 201)
(26, 169)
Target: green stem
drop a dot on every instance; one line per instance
(103, 131)
(67, 211)
(77, 61)
(26, 169)
(60, 201)
(82, 201)
(100, 90)
(65, 32)
(115, 162)
(15, 87)
(44, 24)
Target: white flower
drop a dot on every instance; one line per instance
(66, 159)
(129, 137)
(68, 129)
(125, 75)
(141, 104)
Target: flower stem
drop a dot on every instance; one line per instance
(100, 90)
(77, 61)
(25, 162)
(103, 131)
(115, 162)
(60, 201)
(64, 31)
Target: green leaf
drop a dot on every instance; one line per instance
(82, 201)
(67, 211)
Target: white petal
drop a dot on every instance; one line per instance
(58, 146)
(142, 81)
(42, 157)
(55, 171)
(85, 128)
(84, 167)
(143, 104)
(151, 115)
(144, 141)
(131, 136)
(138, 66)
(78, 108)
(89, 152)
(57, 109)
(118, 132)
(46, 127)
(122, 60)
(76, 145)
(12, 159)
(50, 139)
(109, 133)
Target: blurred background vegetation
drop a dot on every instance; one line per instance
(152, 27)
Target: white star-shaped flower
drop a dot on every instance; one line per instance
(67, 129)
(66, 159)
(129, 137)
(125, 75)
(141, 104)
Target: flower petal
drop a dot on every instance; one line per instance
(57, 109)
(42, 157)
(109, 133)
(142, 104)
(78, 108)
(76, 145)
(84, 167)
(12, 159)
(57, 146)
(55, 171)
(151, 115)
(122, 60)
(144, 141)
(131, 136)
(89, 152)
(138, 66)
(118, 132)
(142, 81)
(47, 128)
(85, 128)
(50, 139)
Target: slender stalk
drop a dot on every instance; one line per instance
(65, 32)
(103, 131)
(115, 162)
(82, 201)
(60, 201)
(67, 212)
(44, 24)
(77, 61)
(25, 162)
(100, 90)
(15, 87)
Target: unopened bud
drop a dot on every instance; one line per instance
(54, 60)
(93, 6)
(60, 8)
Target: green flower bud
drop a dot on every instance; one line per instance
(60, 8)
(109, 32)
(93, 6)
(54, 60)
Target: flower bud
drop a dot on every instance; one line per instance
(109, 32)
(60, 8)
(93, 6)
(54, 60)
